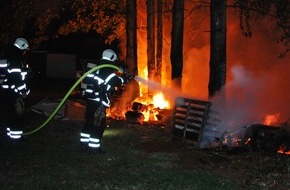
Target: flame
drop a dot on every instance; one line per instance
(271, 119)
(282, 150)
(159, 101)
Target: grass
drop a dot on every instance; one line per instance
(52, 159)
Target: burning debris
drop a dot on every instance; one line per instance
(144, 107)
(268, 139)
(139, 110)
(135, 115)
(196, 123)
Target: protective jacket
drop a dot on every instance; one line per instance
(14, 74)
(3, 70)
(98, 85)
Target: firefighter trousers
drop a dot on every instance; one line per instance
(16, 118)
(95, 120)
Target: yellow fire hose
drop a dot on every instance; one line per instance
(68, 93)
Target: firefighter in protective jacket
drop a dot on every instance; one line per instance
(14, 85)
(97, 88)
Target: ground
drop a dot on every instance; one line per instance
(245, 167)
(250, 168)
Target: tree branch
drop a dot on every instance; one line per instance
(253, 9)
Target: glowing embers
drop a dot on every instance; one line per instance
(268, 139)
(284, 149)
(274, 119)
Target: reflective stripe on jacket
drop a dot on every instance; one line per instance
(16, 80)
(3, 70)
(100, 83)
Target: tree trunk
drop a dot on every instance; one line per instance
(176, 55)
(131, 32)
(131, 90)
(158, 74)
(150, 41)
(217, 78)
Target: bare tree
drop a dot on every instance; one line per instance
(131, 31)
(150, 40)
(131, 90)
(278, 10)
(217, 77)
(158, 67)
(176, 54)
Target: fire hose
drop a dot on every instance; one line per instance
(68, 93)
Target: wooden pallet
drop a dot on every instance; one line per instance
(190, 117)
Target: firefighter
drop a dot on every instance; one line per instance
(14, 85)
(97, 88)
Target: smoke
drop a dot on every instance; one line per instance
(258, 82)
(196, 72)
(250, 96)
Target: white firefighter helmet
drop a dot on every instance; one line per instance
(21, 43)
(110, 55)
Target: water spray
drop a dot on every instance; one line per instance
(151, 84)
(68, 93)
(169, 92)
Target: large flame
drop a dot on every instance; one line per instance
(160, 102)
(153, 104)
